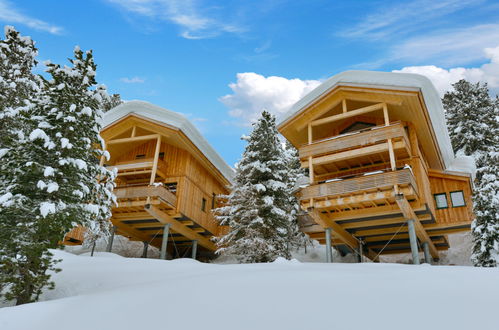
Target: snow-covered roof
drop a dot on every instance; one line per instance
(175, 119)
(386, 80)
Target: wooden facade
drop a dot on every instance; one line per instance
(162, 178)
(374, 163)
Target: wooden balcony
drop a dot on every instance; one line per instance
(360, 192)
(138, 168)
(370, 147)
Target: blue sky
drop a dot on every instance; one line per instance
(221, 62)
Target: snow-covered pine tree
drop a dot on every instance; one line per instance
(473, 121)
(296, 174)
(257, 207)
(56, 176)
(19, 93)
(110, 101)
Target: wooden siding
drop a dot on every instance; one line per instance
(445, 183)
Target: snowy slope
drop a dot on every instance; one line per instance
(111, 292)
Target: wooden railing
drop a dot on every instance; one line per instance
(146, 191)
(352, 140)
(359, 184)
(135, 167)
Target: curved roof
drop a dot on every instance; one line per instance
(175, 119)
(386, 80)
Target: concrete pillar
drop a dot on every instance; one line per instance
(427, 256)
(414, 241)
(361, 250)
(329, 251)
(194, 249)
(93, 249)
(144, 251)
(164, 243)
(111, 239)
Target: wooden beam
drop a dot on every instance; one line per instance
(408, 213)
(339, 232)
(180, 228)
(134, 139)
(155, 161)
(379, 222)
(348, 114)
(344, 105)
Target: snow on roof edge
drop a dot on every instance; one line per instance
(154, 112)
(387, 80)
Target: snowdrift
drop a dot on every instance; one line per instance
(110, 292)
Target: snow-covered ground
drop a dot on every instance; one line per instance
(112, 292)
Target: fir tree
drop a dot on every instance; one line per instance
(472, 117)
(257, 209)
(54, 181)
(110, 101)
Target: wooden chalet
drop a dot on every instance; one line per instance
(382, 174)
(168, 177)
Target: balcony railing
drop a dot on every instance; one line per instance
(353, 186)
(339, 143)
(143, 192)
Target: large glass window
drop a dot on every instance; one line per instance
(457, 198)
(441, 201)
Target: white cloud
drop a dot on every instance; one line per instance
(12, 15)
(253, 93)
(404, 18)
(184, 13)
(444, 78)
(453, 47)
(133, 80)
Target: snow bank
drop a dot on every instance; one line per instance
(119, 293)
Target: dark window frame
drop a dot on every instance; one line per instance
(203, 204)
(462, 193)
(446, 201)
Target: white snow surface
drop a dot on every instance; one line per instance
(106, 292)
(175, 119)
(387, 80)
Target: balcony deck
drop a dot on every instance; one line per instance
(360, 192)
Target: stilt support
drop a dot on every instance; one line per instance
(93, 249)
(146, 247)
(361, 251)
(413, 240)
(427, 256)
(329, 251)
(194, 249)
(164, 243)
(111, 240)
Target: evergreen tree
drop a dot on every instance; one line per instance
(257, 208)
(54, 181)
(472, 118)
(110, 101)
(295, 175)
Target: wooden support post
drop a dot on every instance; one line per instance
(393, 161)
(144, 251)
(194, 249)
(93, 249)
(111, 239)
(329, 251)
(156, 159)
(134, 131)
(164, 243)
(311, 170)
(385, 114)
(427, 256)
(414, 241)
(344, 105)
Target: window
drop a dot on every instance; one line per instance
(457, 198)
(162, 155)
(441, 201)
(140, 156)
(203, 205)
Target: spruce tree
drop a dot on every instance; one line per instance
(110, 101)
(472, 117)
(257, 209)
(54, 181)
